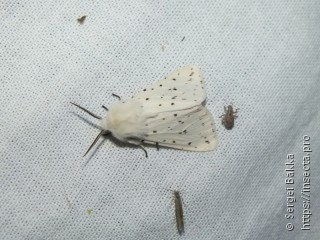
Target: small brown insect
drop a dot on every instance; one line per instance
(228, 117)
(81, 19)
(179, 212)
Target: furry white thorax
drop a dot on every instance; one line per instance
(126, 121)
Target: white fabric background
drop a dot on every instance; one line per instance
(262, 56)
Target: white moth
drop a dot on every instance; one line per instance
(170, 113)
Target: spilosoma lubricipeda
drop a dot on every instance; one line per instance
(170, 113)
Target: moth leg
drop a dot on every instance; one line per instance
(106, 133)
(157, 146)
(115, 95)
(145, 151)
(104, 107)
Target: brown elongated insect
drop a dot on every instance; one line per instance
(178, 212)
(228, 117)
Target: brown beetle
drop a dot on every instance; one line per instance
(228, 117)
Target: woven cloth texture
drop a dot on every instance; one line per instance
(261, 56)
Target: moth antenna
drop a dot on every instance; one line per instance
(87, 111)
(115, 95)
(145, 151)
(95, 141)
(104, 107)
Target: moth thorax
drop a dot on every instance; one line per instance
(123, 118)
